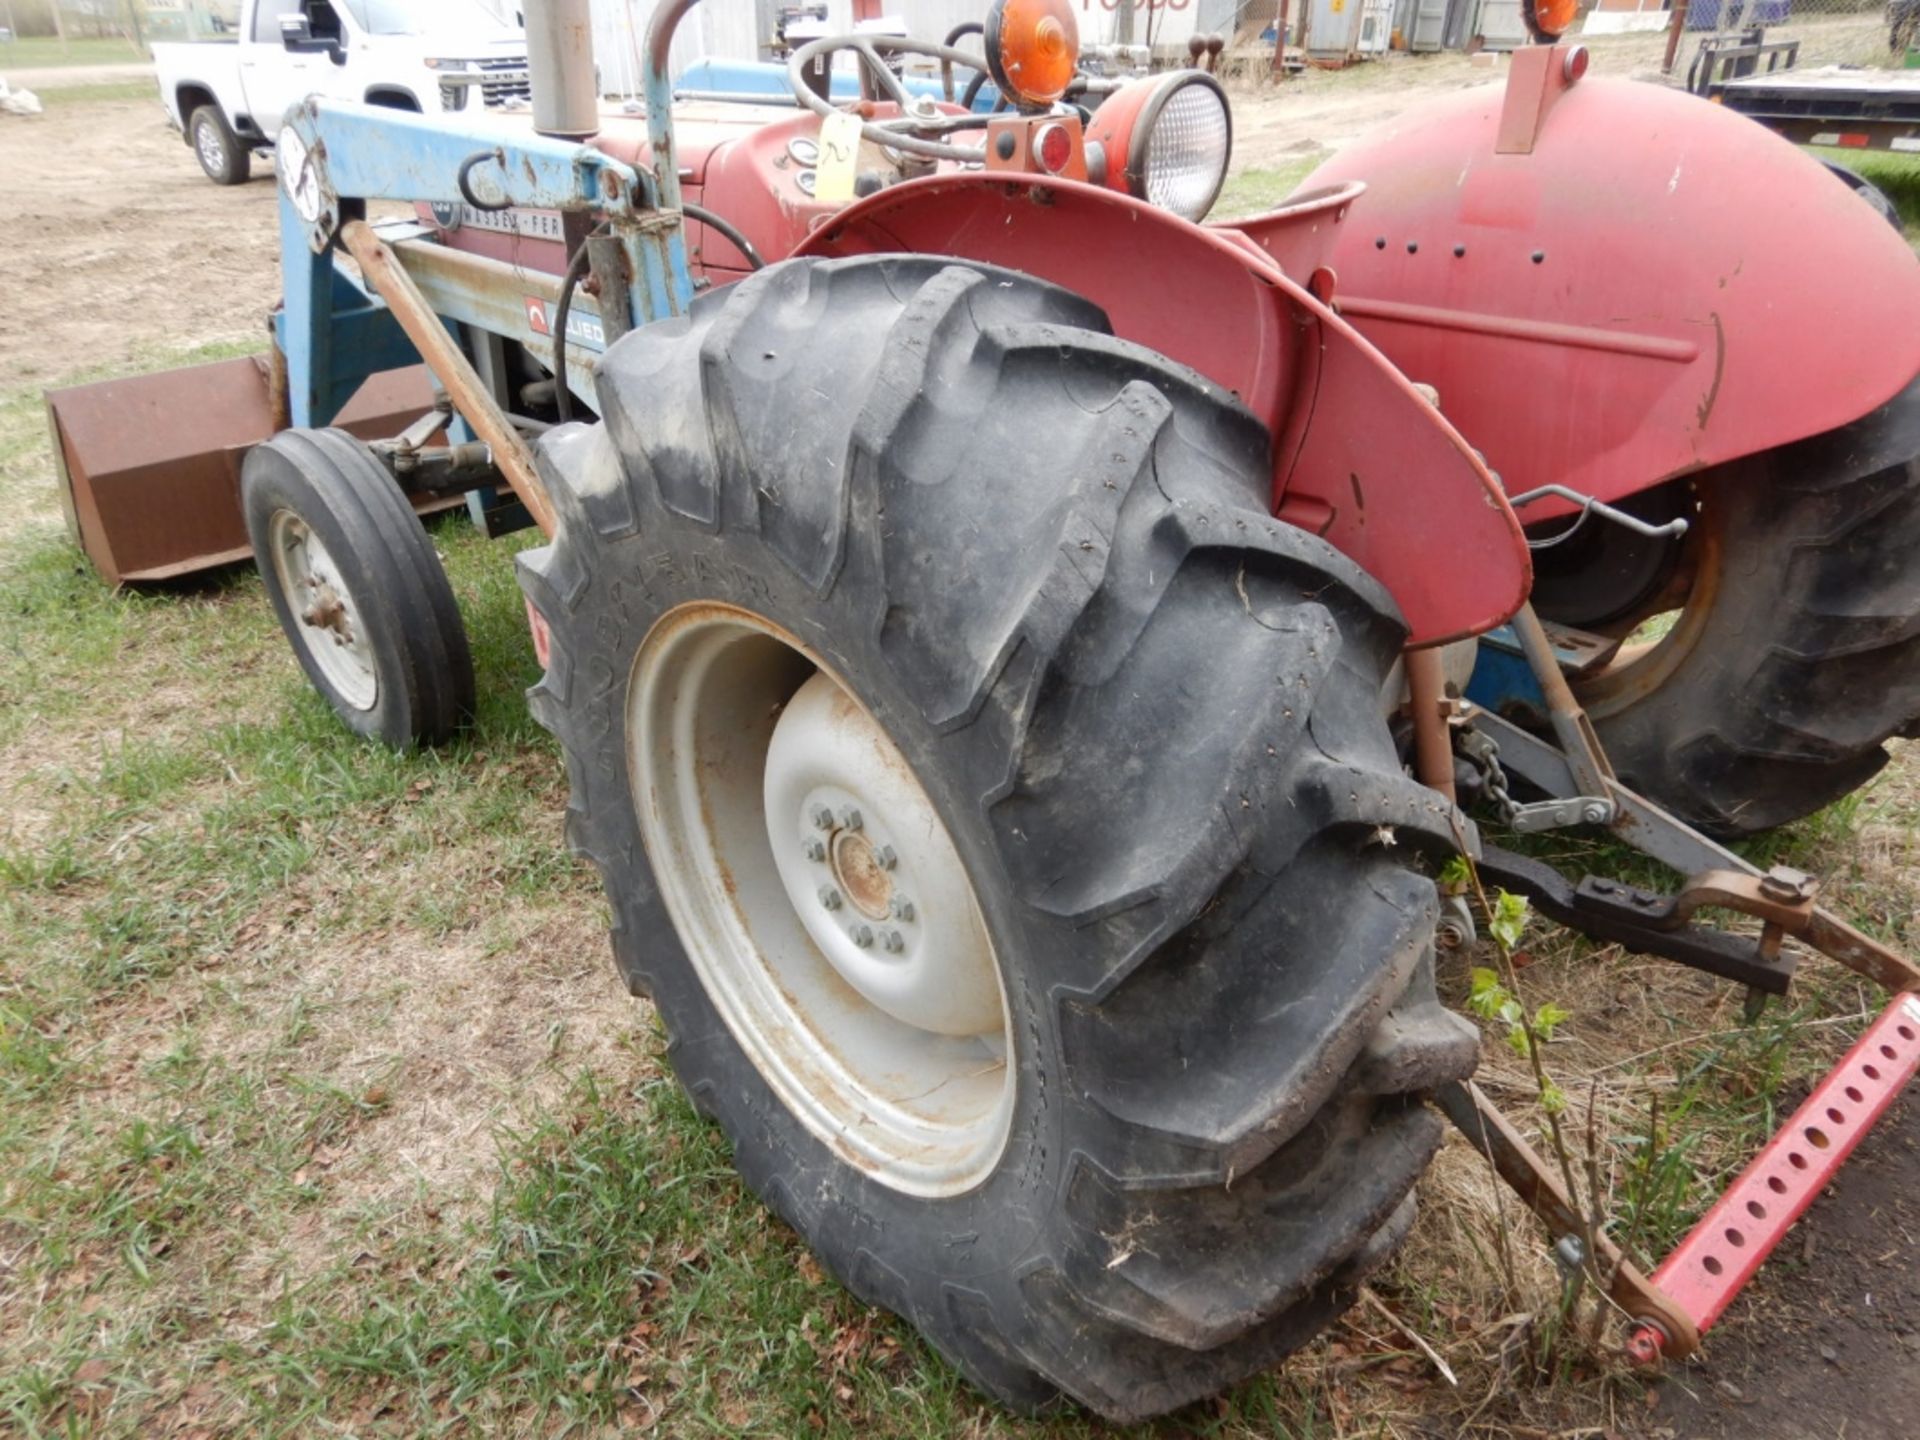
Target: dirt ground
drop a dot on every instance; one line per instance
(115, 249)
(116, 252)
(60, 77)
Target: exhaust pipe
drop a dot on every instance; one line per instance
(566, 99)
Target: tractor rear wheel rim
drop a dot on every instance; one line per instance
(820, 899)
(327, 620)
(1641, 667)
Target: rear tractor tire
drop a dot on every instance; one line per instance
(1794, 650)
(221, 153)
(997, 805)
(358, 587)
(1875, 197)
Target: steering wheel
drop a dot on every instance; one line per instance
(907, 134)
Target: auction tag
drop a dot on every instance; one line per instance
(839, 154)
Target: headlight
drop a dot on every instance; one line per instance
(1166, 140)
(1181, 144)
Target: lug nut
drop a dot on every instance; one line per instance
(813, 849)
(885, 855)
(862, 936)
(829, 897)
(901, 907)
(850, 818)
(822, 818)
(892, 940)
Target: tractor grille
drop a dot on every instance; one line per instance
(507, 84)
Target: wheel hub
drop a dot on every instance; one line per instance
(821, 901)
(328, 612)
(330, 628)
(871, 870)
(859, 872)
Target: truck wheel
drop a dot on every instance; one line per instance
(997, 804)
(1791, 647)
(222, 155)
(358, 588)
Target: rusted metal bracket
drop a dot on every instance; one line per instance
(448, 362)
(1592, 771)
(1639, 920)
(1432, 746)
(1527, 1175)
(1783, 899)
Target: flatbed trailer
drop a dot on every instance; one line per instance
(1852, 109)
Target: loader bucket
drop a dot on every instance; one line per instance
(149, 466)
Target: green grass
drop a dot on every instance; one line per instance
(1249, 192)
(1897, 176)
(104, 92)
(45, 51)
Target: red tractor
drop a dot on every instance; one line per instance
(991, 616)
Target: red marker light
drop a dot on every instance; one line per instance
(1053, 148)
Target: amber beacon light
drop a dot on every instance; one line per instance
(1033, 47)
(1549, 19)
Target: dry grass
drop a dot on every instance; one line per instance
(322, 1113)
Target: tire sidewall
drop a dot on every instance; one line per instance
(203, 123)
(273, 483)
(970, 1237)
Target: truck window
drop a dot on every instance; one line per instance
(324, 20)
(421, 17)
(266, 19)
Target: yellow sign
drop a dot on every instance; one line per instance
(839, 155)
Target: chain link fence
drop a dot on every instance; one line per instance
(1865, 33)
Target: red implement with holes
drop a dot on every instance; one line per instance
(1720, 1255)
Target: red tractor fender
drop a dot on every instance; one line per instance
(1360, 456)
(1611, 283)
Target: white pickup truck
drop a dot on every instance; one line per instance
(228, 96)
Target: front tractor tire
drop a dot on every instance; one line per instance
(1790, 646)
(358, 587)
(997, 805)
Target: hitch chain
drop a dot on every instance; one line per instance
(1536, 815)
(1485, 755)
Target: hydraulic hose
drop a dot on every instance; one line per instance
(577, 271)
(728, 229)
(954, 37)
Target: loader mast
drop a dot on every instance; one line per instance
(621, 224)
